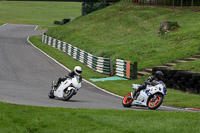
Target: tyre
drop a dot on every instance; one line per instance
(176, 77)
(173, 72)
(165, 80)
(51, 95)
(198, 88)
(183, 80)
(183, 88)
(192, 83)
(179, 83)
(196, 76)
(175, 87)
(169, 85)
(155, 101)
(172, 81)
(181, 73)
(68, 94)
(169, 76)
(127, 100)
(187, 85)
(188, 75)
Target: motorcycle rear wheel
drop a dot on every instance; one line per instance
(152, 103)
(68, 94)
(127, 100)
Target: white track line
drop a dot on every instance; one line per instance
(167, 107)
(3, 25)
(70, 70)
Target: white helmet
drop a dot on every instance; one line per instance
(78, 70)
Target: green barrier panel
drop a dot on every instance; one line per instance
(103, 65)
(61, 45)
(56, 43)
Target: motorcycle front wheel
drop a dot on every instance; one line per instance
(68, 94)
(155, 101)
(127, 100)
(51, 94)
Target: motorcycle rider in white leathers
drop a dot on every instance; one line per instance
(77, 71)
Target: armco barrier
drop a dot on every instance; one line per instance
(181, 80)
(99, 64)
(126, 69)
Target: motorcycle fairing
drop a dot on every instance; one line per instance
(77, 84)
(59, 91)
(146, 93)
(141, 99)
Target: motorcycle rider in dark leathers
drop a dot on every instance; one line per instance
(156, 77)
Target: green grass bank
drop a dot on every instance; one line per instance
(1, 23)
(38, 12)
(192, 66)
(32, 119)
(129, 31)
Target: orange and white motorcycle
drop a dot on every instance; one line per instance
(152, 96)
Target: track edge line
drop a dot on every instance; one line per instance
(70, 70)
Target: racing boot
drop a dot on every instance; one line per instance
(58, 82)
(134, 94)
(138, 90)
(55, 85)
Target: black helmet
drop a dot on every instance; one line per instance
(158, 75)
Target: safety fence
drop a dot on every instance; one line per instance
(99, 64)
(126, 69)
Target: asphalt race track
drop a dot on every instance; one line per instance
(26, 75)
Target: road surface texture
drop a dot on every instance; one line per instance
(26, 75)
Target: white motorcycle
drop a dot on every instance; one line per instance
(152, 96)
(66, 89)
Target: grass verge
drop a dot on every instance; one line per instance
(129, 31)
(191, 65)
(38, 12)
(32, 119)
(174, 98)
(1, 23)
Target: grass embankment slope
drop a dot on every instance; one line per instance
(23, 119)
(37, 12)
(193, 66)
(1, 23)
(130, 32)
